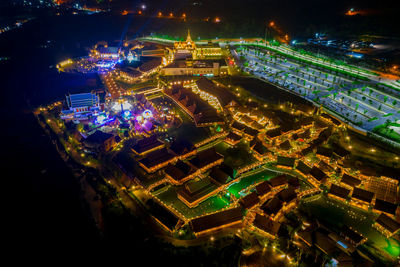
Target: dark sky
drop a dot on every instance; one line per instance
(292, 16)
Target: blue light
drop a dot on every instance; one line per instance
(356, 55)
(342, 244)
(127, 113)
(294, 42)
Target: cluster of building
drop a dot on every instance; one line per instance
(350, 190)
(341, 245)
(101, 123)
(270, 201)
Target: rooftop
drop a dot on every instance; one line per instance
(272, 206)
(162, 214)
(285, 145)
(278, 180)
(216, 220)
(287, 194)
(303, 168)
(98, 137)
(219, 176)
(385, 206)
(362, 194)
(179, 171)
(249, 200)
(273, 133)
(238, 126)
(285, 161)
(156, 157)
(339, 191)
(317, 173)
(351, 234)
(181, 147)
(205, 158)
(263, 188)
(266, 224)
(146, 144)
(391, 225)
(324, 151)
(223, 95)
(196, 190)
(350, 180)
(234, 137)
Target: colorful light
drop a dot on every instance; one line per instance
(101, 118)
(147, 114)
(125, 105)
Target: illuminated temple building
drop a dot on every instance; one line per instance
(187, 46)
(195, 192)
(197, 51)
(198, 60)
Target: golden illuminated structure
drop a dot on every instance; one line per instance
(209, 50)
(185, 46)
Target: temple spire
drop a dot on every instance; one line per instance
(188, 39)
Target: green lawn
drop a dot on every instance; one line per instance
(238, 188)
(384, 130)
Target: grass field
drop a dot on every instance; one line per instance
(384, 130)
(238, 189)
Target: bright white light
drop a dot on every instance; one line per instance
(143, 6)
(125, 105)
(100, 119)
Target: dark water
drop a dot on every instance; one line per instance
(46, 217)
